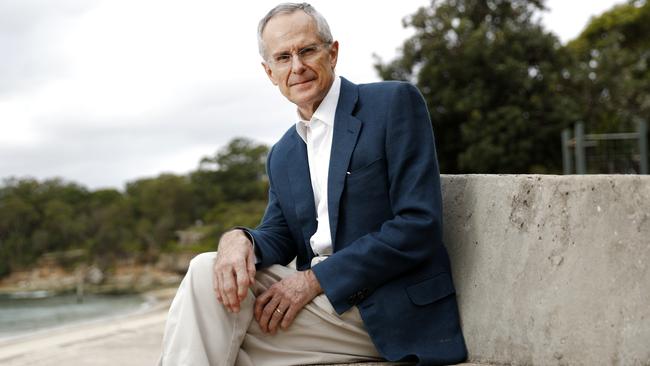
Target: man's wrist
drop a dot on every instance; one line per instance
(244, 231)
(237, 233)
(313, 282)
(251, 239)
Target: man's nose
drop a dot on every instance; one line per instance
(297, 66)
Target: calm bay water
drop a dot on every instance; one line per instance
(20, 316)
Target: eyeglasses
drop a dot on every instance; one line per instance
(305, 54)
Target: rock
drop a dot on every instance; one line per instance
(94, 275)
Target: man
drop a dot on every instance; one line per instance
(355, 198)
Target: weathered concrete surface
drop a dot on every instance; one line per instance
(386, 363)
(551, 270)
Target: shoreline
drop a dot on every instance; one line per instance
(133, 338)
(151, 301)
(124, 279)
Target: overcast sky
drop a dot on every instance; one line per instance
(105, 92)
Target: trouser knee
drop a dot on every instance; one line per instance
(202, 265)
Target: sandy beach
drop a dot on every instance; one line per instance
(126, 340)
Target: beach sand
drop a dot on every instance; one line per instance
(127, 340)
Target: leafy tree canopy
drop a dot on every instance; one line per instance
(493, 80)
(228, 189)
(610, 68)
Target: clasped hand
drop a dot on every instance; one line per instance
(234, 273)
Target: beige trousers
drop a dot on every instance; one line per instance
(201, 332)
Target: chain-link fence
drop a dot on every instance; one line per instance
(606, 153)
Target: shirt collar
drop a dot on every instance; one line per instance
(325, 111)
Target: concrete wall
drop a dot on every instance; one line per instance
(551, 270)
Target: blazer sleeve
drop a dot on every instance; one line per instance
(272, 239)
(409, 237)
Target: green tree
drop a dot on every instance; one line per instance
(160, 206)
(611, 68)
(239, 170)
(39, 217)
(36, 218)
(232, 185)
(110, 229)
(18, 219)
(493, 80)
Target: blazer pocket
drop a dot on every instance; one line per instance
(365, 169)
(431, 290)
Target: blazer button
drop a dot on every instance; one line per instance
(351, 300)
(355, 298)
(364, 293)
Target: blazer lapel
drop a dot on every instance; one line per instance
(346, 132)
(302, 193)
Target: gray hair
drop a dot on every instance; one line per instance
(288, 8)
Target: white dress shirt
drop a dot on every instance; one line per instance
(317, 134)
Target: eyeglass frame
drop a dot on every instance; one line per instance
(300, 54)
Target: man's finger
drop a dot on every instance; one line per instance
(215, 284)
(267, 313)
(230, 290)
(222, 293)
(260, 303)
(242, 281)
(276, 318)
(290, 316)
(250, 264)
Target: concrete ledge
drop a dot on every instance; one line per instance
(395, 364)
(551, 270)
(392, 364)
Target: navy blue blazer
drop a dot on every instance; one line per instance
(385, 213)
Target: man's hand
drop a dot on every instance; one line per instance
(281, 303)
(234, 269)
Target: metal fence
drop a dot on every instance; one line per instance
(606, 153)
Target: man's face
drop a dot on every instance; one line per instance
(303, 80)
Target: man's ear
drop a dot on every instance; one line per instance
(269, 73)
(334, 54)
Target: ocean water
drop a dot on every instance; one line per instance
(35, 311)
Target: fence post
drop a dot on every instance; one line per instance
(566, 152)
(581, 165)
(643, 146)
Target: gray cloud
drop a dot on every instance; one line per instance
(28, 56)
(97, 153)
(22, 16)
